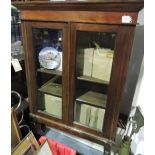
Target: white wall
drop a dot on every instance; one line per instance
(138, 99)
(137, 144)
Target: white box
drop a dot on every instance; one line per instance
(85, 61)
(102, 64)
(85, 114)
(93, 117)
(100, 119)
(53, 105)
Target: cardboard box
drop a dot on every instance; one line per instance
(53, 105)
(102, 64)
(85, 61)
(85, 114)
(93, 117)
(100, 119)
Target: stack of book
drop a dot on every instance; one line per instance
(53, 105)
(92, 116)
(95, 63)
(84, 61)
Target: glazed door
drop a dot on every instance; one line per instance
(46, 59)
(98, 57)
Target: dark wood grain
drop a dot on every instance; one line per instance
(70, 17)
(85, 27)
(65, 73)
(87, 129)
(70, 129)
(55, 72)
(121, 60)
(120, 65)
(117, 6)
(78, 16)
(29, 65)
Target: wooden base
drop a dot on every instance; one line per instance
(71, 130)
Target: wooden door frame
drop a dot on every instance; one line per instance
(123, 48)
(30, 65)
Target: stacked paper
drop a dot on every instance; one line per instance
(53, 105)
(85, 114)
(102, 64)
(93, 117)
(84, 61)
(100, 119)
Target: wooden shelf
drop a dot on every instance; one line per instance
(50, 71)
(52, 89)
(44, 112)
(91, 79)
(93, 98)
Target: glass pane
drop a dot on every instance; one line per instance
(94, 57)
(48, 54)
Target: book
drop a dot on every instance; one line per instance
(100, 119)
(53, 105)
(93, 117)
(85, 61)
(102, 64)
(85, 114)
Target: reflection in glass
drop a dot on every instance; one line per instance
(94, 57)
(48, 49)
